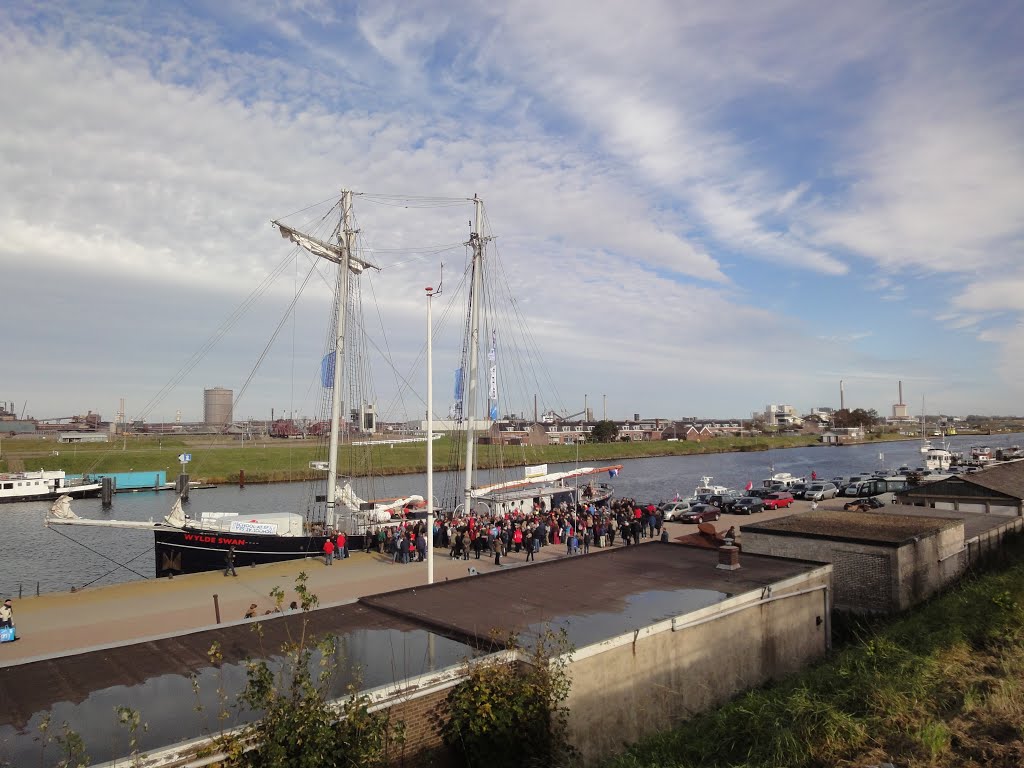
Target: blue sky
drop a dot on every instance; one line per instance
(708, 207)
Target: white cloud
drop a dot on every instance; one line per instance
(645, 223)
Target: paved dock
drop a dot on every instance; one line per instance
(72, 622)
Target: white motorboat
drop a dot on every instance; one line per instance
(44, 485)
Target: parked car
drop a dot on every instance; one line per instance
(863, 505)
(748, 505)
(758, 493)
(723, 501)
(674, 509)
(797, 489)
(850, 489)
(701, 513)
(821, 491)
(778, 499)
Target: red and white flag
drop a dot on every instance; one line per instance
(749, 485)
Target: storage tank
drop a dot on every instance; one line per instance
(217, 406)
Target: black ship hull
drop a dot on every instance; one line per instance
(181, 551)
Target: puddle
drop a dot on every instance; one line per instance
(174, 712)
(633, 612)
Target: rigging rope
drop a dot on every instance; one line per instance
(105, 557)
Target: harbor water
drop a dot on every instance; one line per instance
(35, 558)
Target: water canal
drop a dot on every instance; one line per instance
(53, 560)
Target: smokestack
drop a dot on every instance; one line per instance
(728, 558)
(901, 393)
(842, 397)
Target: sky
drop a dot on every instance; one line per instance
(702, 207)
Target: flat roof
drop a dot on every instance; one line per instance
(866, 527)
(381, 639)
(594, 597)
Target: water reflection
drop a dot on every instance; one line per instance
(635, 611)
(174, 711)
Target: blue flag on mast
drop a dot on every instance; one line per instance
(327, 371)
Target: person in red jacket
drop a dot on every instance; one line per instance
(328, 552)
(341, 549)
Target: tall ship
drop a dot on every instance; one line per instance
(190, 543)
(187, 541)
(514, 486)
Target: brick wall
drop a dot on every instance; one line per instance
(422, 741)
(863, 577)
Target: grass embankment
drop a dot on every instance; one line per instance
(219, 460)
(942, 686)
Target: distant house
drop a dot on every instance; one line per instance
(843, 436)
(639, 429)
(516, 433)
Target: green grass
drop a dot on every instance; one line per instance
(942, 686)
(221, 459)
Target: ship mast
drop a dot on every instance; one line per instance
(348, 264)
(476, 241)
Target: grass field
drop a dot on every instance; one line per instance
(219, 460)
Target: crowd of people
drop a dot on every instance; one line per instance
(578, 528)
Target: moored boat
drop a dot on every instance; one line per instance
(782, 479)
(44, 485)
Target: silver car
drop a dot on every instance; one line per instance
(821, 491)
(674, 509)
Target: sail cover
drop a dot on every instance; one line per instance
(61, 508)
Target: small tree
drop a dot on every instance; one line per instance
(299, 727)
(604, 431)
(511, 715)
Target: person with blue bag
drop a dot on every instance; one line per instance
(6, 622)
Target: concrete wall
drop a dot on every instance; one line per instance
(990, 542)
(875, 578)
(641, 683)
(925, 566)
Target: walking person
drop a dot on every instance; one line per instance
(229, 561)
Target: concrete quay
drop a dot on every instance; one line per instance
(63, 623)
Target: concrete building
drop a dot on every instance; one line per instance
(218, 406)
(883, 563)
(670, 632)
(781, 416)
(83, 437)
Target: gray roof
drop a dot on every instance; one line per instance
(861, 527)
(1005, 480)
